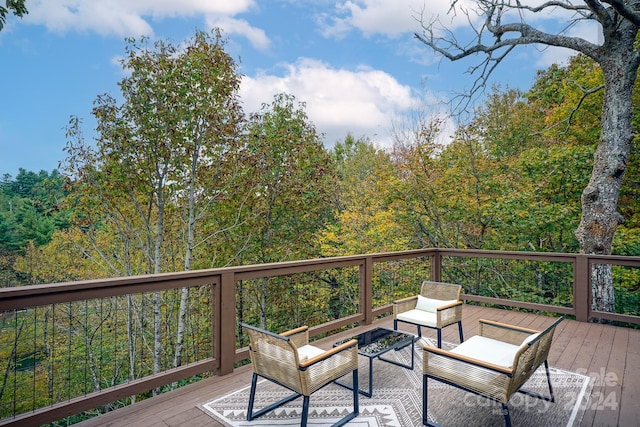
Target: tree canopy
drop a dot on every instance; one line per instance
(16, 7)
(499, 26)
(180, 178)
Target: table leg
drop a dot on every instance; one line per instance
(393, 362)
(369, 393)
(361, 391)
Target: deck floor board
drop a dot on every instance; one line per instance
(609, 353)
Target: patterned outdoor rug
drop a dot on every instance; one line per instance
(397, 401)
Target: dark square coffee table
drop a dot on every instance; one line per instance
(376, 342)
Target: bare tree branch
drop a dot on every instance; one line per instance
(585, 94)
(629, 13)
(561, 4)
(502, 36)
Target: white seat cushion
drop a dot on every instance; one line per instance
(307, 352)
(419, 317)
(488, 350)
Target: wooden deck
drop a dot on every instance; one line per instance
(608, 353)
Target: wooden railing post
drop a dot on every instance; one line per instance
(582, 288)
(436, 266)
(366, 289)
(225, 323)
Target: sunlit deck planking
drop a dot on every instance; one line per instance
(610, 353)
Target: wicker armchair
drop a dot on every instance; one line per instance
(494, 364)
(288, 360)
(437, 306)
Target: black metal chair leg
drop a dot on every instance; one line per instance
(251, 415)
(425, 413)
(546, 367)
(439, 338)
(507, 417)
(356, 393)
(541, 396)
(305, 411)
(356, 402)
(460, 332)
(252, 396)
(425, 417)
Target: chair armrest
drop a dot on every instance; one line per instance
(404, 304)
(317, 371)
(403, 300)
(449, 314)
(331, 352)
(299, 336)
(447, 306)
(506, 326)
(503, 332)
(295, 331)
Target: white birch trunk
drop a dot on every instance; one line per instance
(191, 225)
(157, 296)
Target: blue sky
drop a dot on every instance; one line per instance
(354, 63)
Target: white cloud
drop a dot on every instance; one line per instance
(389, 18)
(363, 102)
(129, 17)
(100, 17)
(256, 36)
(548, 55)
(394, 18)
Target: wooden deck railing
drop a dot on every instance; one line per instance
(224, 352)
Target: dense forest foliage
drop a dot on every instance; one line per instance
(180, 178)
(30, 213)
